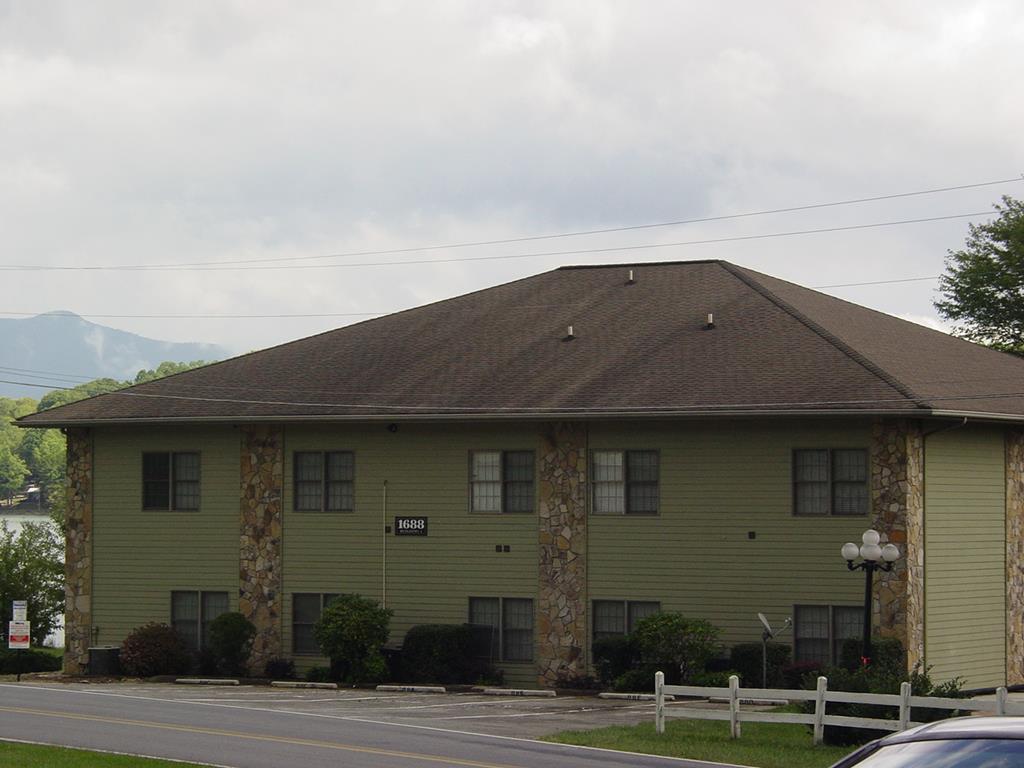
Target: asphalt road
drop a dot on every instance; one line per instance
(239, 730)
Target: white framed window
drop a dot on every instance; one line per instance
(324, 481)
(820, 630)
(612, 618)
(501, 481)
(830, 481)
(193, 611)
(510, 621)
(170, 480)
(306, 610)
(625, 482)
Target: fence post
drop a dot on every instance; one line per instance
(904, 705)
(734, 706)
(819, 710)
(1001, 701)
(659, 702)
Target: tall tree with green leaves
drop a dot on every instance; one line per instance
(983, 287)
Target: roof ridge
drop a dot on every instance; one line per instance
(742, 274)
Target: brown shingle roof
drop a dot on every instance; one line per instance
(638, 348)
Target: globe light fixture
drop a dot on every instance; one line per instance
(873, 557)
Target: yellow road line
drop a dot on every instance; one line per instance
(254, 737)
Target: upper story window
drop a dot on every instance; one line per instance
(170, 480)
(324, 481)
(830, 481)
(625, 482)
(501, 481)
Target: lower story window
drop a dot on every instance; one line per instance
(820, 630)
(619, 617)
(306, 610)
(508, 622)
(192, 613)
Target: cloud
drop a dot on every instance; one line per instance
(165, 132)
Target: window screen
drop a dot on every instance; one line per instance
(486, 481)
(812, 633)
(185, 617)
(517, 629)
(609, 482)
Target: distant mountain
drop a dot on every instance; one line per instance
(56, 344)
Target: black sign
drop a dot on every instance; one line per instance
(410, 526)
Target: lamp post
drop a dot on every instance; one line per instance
(872, 558)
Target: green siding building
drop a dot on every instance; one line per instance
(576, 450)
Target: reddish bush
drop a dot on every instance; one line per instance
(154, 649)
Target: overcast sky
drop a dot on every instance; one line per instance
(145, 133)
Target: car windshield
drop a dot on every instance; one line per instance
(949, 753)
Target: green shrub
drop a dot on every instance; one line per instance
(279, 668)
(635, 681)
(318, 674)
(351, 632)
(802, 674)
(880, 680)
(28, 660)
(746, 659)
(886, 653)
(441, 653)
(715, 679)
(230, 644)
(679, 646)
(613, 657)
(154, 649)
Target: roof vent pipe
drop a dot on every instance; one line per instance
(630, 281)
(711, 322)
(569, 335)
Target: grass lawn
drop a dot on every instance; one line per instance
(34, 756)
(765, 745)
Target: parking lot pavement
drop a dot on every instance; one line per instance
(467, 712)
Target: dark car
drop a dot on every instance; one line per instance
(963, 742)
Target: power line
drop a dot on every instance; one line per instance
(557, 235)
(505, 257)
(365, 314)
(581, 409)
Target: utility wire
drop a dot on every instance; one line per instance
(504, 257)
(366, 314)
(578, 233)
(581, 409)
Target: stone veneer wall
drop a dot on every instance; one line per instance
(259, 557)
(562, 616)
(897, 503)
(78, 552)
(1014, 557)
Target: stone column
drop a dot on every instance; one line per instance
(897, 504)
(1014, 556)
(259, 594)
(78, 552)
(562, 607)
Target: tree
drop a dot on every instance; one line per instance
(983, 288)
(351, 632)
(13, 472)
(32, 569)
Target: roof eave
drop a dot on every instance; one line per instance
(553, 415)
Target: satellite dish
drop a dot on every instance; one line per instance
(767, 626)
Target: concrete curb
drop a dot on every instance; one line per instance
(633, 696)
(518, 692)
(412, 688)
(204, 681)
(294, 684)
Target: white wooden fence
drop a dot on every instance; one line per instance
(904, 700)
